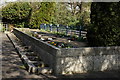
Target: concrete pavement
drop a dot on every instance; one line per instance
(12, 66)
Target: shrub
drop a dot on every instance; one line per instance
(16, 13)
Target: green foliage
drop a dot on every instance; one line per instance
(16, 13)
(65, 16)
(3, 29)
(105, 28)
(84, 16)
(33, 14)
(72, 14)
(43, 15)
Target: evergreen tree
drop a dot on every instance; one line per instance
(105, 28)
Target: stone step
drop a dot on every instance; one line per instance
(33, 58)
(31, 61)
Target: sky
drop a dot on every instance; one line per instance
(3, 1)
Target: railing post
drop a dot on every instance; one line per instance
(41, 26)
(44, 26)
(57, 28)
(51, 27)
(71, 31)
(66, 29)
(80, 32)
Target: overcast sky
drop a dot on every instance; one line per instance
(3, 1)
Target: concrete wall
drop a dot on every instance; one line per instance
(74, 60)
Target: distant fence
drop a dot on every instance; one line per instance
(64, 29)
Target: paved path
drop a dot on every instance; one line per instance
(0, 56)
(12, 66)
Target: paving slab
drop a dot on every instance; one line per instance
(0, 55)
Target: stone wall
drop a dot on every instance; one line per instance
(74, 60)
(88, 59)
(45, 51)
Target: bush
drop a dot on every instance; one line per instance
(16, 13)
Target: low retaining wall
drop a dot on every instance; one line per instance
(45, 51)
(88, 59)
(73, 60)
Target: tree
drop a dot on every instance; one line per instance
(43, 14)
(71, 13)
(33, 14)
(105, 28)
(66, 13)
(84, 16)
(16, 13)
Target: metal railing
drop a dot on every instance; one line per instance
(64, 30)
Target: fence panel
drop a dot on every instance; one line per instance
(63, 29)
